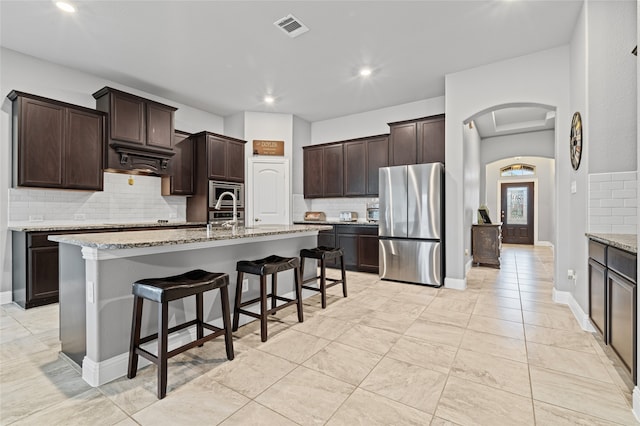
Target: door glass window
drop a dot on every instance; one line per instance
(517, 206)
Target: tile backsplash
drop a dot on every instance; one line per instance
(330, 206)
(118, 202)
(613, 203)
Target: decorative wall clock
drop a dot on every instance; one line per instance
(575, 140)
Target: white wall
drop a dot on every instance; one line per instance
(545, 187)
(31, 75)
(301, 137)
(612, 90)
(471, 188)
(374, 122)
(540, 78)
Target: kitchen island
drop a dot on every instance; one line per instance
(97, 271)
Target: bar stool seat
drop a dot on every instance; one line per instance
(162, 291)
(324, 253)
(270, 265)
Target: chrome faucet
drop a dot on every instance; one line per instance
(234, 221)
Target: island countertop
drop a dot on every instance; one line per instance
(167, 237)
(628, 242)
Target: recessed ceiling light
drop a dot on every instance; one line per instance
(269, 99)
(66, 6)
(365, 72)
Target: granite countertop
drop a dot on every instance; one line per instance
(151, 238)
(335, 222)
(75, 226)
(628, 242)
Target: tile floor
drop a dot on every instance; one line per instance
(499, 353)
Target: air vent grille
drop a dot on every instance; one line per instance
(291, 26)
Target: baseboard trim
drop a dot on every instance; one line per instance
(636, 403)
(467, 267)
(6, 297)
(99, 373)
(566, 298)
(455, 283)
(544, 243)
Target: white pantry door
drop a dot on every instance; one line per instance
(269, 186)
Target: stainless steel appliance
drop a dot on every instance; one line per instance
(411, 226)
(218, 217)
(373, 212)
(217, 188)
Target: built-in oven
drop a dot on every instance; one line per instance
(217, 188)
(218, 217)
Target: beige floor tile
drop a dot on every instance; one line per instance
(470, 403)
(323, 326)
(397, 322)
(202, 401)
(496, 326)
(306, 396)
(133, 395)
(499, 312)
(343, 362)
(545, 307)
(436, 333)
(580, 394)
(90, 407)
(536, 297)
(495, 300)
(251, 373)
(255, 414)
(502, 292)
(560, 321)
(493, 371)
(575, 340)
(294, 346)
(453, 304)
(366, 408)
(444, 316)
(492, 344)
(409, 309)
(568, 361)
(423, 299)
(369, 338)
(547, 414)
(409, 384)
(433, 356)
(349, 310)
(438, 421)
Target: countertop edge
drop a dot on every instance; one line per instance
(106, 226)
(627, 242)
(332, 223)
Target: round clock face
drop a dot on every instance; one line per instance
(575, 140)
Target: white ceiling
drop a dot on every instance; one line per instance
(515, 119)
(224, 56)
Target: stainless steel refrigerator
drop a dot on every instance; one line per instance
(411, 226)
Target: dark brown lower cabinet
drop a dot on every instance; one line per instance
(35, 264)
(359, 243)
(486, 241)
(613, 311)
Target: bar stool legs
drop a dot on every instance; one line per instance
(322, 254)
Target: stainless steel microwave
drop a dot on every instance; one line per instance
(217, 188)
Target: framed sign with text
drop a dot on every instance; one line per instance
(263, 147)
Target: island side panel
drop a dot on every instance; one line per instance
(72, 302)
(109, 326)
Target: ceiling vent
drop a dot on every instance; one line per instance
(291, 26)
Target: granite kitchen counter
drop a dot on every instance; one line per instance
(628, 242)
(152, 238)
(77, 226)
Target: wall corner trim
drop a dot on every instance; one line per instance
(566, 298)
(455, 283)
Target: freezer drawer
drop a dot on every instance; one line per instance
(411, 261)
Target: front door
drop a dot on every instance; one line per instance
(517, 213)
(270, 192)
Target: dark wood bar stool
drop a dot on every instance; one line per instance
(270, 265)
(162, 291)
(323, 254)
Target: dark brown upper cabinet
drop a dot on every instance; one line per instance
(417, 141)
(225, 158)
(140, 131)
(179, 181)
(346, 168)
(56, 144)
(362, 159)
(323, 171)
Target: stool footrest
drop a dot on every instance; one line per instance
(154, 359)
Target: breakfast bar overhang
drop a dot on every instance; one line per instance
(97, 271)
